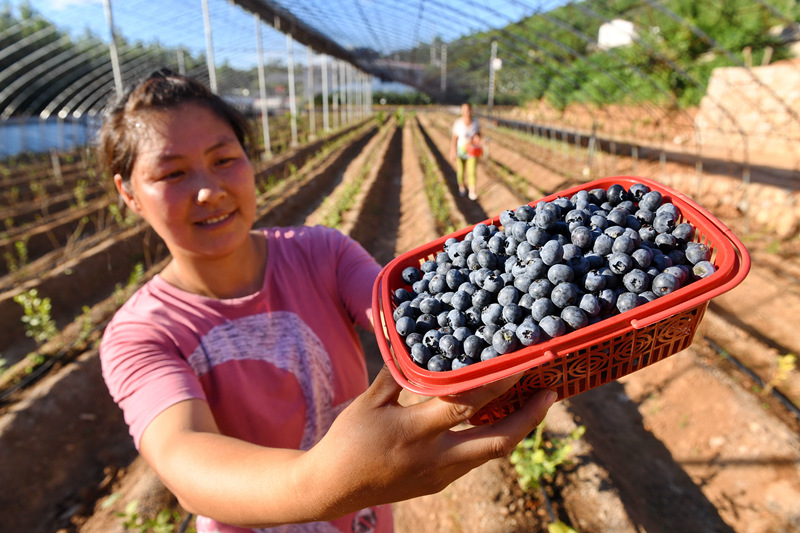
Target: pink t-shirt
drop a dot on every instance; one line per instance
(276, 367)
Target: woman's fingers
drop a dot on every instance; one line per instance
(445, 412)
(483, 443)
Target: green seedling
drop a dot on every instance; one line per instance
(39, 324)
(535, 458)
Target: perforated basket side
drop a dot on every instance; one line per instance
(584, 369)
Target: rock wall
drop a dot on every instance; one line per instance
(753, 112)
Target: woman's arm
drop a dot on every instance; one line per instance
(377, 451)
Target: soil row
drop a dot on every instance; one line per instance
(695, 461)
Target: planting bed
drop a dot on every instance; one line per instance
(689, 444)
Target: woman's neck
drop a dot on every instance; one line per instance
(232, 276)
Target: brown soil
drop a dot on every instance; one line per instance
(689, 444)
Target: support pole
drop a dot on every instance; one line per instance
(112, 48)
(444, 70)
(312, 118)
(491, 76)
(212, 70)
(336, 89)
(262, 90)
(324, 70)
(292, 99)
(343, 90)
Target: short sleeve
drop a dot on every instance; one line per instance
(143, 370)
(356, 272)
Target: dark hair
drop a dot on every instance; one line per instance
(161, 90)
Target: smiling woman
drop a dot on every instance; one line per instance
(239, 369)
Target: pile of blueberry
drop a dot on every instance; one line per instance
(548, 270)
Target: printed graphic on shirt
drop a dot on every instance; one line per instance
(365, 521)
(264, 337)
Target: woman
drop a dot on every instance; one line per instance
(238, 367)
(464, 129)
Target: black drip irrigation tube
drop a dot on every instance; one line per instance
(42, 369)
(791, 407)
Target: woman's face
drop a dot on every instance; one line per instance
(192, 181)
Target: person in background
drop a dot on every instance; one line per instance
(464, 129)
(238, 367)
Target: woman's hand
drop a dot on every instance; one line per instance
(378, 451)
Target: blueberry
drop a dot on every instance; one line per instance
(473, 345)
(603, 244)
(664, 223)
(620, 263)
(666, 242)
(421, 286)
(455, 278)
(456, 319)
(504, 341)
(526, 301)
(430, 306)
(462, 333)
(488, 353)
(524, 213)
(542, 307)
(512, 313)
(541, 288)
(421, 354)
(608, 300)
(493, 283)
(413, 338)
(425, 322)
(574, 317)
(405, 325)
(661, 261)
(544, 220)
(616, 193)
(507, 217)
(582, 238)
(528, 334)
(411, 275)
(564, 294)
(597, 195)
(441, 319)
(522, 283)
(486, 332)
(560, 273)
(590, 304)
(437, 284)
(669, 208)
(428, 266)
(404, 309)
(598, 222)
(592, 281)
(648, 233)
(497, 243)
(651, 201)
(703, 269)
(508, 295)
(431, 339)
(449, 346)
(636, 281)
(617, 217)
(642, 257)
(401, 295)
(439, 363)
(627, 301)
(552, 252)
(638, 190)
(684, 232)
(681, 272)
(473, 315)
(665, 283)
(696, 252)
(461, 361)
(461, 300)
(487, 259)
(492, 314)
(536, 269)
(552, 326)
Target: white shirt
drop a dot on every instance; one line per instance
(464, 132)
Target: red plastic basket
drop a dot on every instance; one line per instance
(585, 358)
